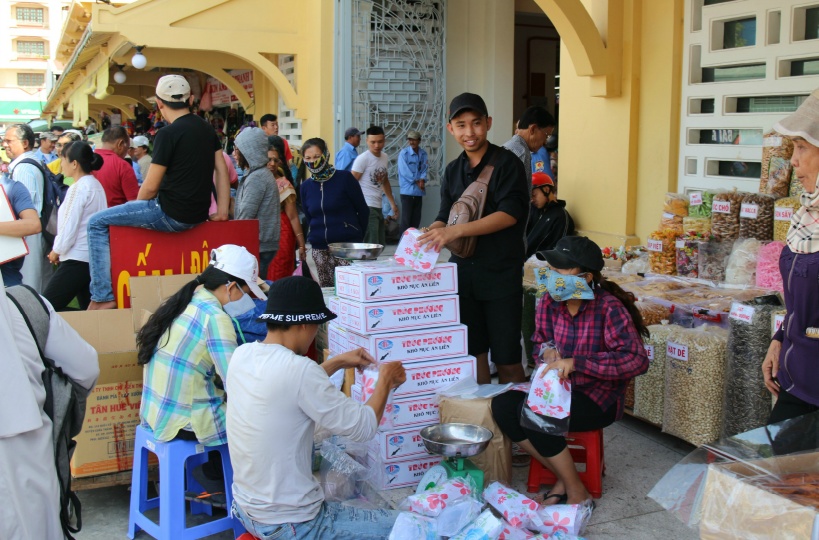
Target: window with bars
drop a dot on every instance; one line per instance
(31, 48)
(31, 79)
(30, 15)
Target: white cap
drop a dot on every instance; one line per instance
(173, 89)
(239, 263)
(140, 140)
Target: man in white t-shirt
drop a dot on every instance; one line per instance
(370, 169)
(277, 398)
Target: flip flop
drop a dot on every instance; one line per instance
(562, 498)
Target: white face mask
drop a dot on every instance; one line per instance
(240, 306)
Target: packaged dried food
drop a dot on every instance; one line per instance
(725, 215)
(628, 398)
(700, 202)
(712, 258)
(695, 384)
(783, 212)
(693, 225)
(776, 164)
(676, 204)
(655, 286)
(741, 267)
(768, 275)
(687, 257)
(653, 312)
(756, 216)
(672, 223)
(662, 252)
(797, 188)
(649, 388)
(747, 401)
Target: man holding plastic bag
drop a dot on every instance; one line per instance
(277, 396)
(588, 339)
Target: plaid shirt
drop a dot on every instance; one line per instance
(602, 339)
(178, 383)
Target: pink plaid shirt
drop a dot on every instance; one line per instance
(602, 339)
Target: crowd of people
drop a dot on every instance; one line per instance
(229, 331)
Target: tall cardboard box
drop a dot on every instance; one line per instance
(148, 293)
(106, 443)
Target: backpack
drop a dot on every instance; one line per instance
(52, 197)
(64, 404)
(469, 207)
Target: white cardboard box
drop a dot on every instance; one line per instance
(423, 377)
(387, 280)
(398, 445)
(411, 412)
(409, 346)
(401, 473)
(393, 315)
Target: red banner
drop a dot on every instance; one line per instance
(142, 252)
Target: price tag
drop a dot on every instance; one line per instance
(777, 322)
(695, 198)
(654, 245)
(772, 141)
(721, 207)
(676, 351)
(742, 312)
(680, 244)
(749, 210)
(650, 352)
(783, 213)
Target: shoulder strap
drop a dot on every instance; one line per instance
(34, 312)
(42, 172)
(488, 169)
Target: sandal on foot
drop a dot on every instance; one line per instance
(562, 498)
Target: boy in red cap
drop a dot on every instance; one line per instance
(548, 219)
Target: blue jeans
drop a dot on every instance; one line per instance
(334, 521)
(143, 214)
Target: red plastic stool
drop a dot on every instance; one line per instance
(585, 447)
(247, 536)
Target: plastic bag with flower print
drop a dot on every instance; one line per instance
(548, 406)
(411, 254)
(518, 510)
(434, 500)
(568, 519)
(513, 533)
(458, 515)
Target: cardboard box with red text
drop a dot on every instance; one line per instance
(398, 445)
(391, 316)
(387, 280)
(409, 346)
(425, 377)
(401, 473)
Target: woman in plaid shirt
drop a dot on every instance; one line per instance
(597, 330)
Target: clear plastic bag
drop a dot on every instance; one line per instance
(485, 527)
(649, 388)
(776, 164)
(548, 404)
(409, 526)
(725, 210)
(564, 518)
(783, 211)
(457, 516)
(662, 255)
(768, 275)
(756, 217)
(741, 267)
(434, 501)
(639, 265)
(712, 258)
(342, 477)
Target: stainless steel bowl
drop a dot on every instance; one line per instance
(354, 251)
(456, 440)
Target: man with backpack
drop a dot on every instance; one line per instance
(35, 498)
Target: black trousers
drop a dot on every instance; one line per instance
(410, 212)
(585, 415)
(789, 406)
(71, 279)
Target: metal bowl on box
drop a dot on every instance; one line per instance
(456, 440)
(355, 251)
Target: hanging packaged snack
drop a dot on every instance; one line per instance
(783, 212)
(700, 202)
(797, 188)
(695, 384)
(671, 223)
(712, 258)
(725, 210)
(662, 252)
(697, 225)
(776, 164)
(676, 204)
(649, 388)
(768, 275)
(741, 267)
(747, 402)
(653, 312)
(756, 216)
(688, 254)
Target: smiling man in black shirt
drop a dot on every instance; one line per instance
(490, 282)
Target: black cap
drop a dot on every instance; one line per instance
(295, 300)
(467, 101)
(574, 252)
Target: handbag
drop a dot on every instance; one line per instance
(469, 207)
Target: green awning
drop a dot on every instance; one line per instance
(20, 111)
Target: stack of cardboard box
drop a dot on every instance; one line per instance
(399, 314)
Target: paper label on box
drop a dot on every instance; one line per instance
(783, 213)
(749, 211)
(676, 351)
(381, 317)
(421, 411)
(398, 445)
(409, 346)
(654, 245)
(375, 282)
(650, 352)
(403, 473)
(680, 244)
(695, 198)
(742, 312)
(771, 141)
(721, 207)
(427, 377)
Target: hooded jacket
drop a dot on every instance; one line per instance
(258, 195)
(546, 226)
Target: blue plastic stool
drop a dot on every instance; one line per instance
(176, 460)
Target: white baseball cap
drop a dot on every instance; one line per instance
(140, 140)
(173, 89)
(239, 263)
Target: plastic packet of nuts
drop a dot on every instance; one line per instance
(649, 388)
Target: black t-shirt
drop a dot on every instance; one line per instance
(187, 148)
(498, 255)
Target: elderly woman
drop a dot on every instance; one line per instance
(789, 368)
(597, 330)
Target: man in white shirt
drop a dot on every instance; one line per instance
(277, 398)
(370, 169)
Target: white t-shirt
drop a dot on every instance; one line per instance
(276, 398)
(374, 174)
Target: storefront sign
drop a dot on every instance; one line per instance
(221, 95)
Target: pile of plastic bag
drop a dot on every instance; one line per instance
(458, 510)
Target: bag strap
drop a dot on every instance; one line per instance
(34, 312)
(486, 173)
(42, 172)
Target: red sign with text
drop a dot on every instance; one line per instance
(142, 252)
